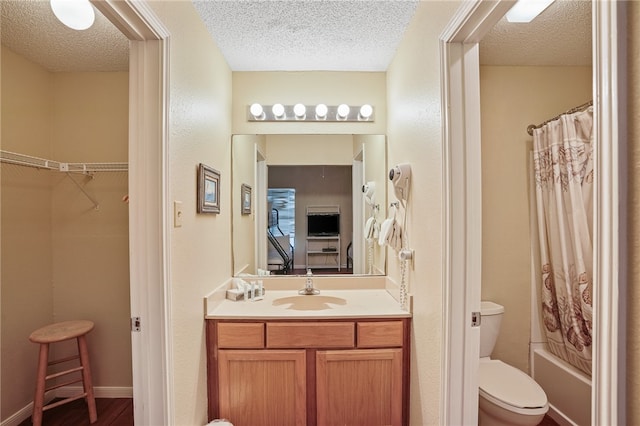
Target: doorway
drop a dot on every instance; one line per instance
(459, 49)
(148, 209)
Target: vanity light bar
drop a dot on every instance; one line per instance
(315, 113)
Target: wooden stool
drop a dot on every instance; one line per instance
(55, 333)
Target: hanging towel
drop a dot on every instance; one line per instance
(394, 238)
(385, 229)
(370, 229)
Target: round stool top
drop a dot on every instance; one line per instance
(61, 331)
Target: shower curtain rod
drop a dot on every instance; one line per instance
(582, 107)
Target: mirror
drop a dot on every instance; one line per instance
(304, 201)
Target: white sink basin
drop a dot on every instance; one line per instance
(309, 302)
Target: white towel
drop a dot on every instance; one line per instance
(370, 231)
(391, 234)
(395, 236)
(385, 229)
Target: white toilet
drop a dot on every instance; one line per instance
(508, 396)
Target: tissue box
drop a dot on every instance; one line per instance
(235, 294)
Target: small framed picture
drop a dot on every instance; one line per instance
(245, 197)
(208, 189)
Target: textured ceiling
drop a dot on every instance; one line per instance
(561, 35)
(297, 35)
(307, 35)
(30, 28)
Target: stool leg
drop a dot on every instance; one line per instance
(38, 401)
(86, 378)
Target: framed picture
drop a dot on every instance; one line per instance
(245, 197)
(208, 189)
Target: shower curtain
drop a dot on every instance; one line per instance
(563, 170)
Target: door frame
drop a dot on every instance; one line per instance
(148, 208)
(463, 207)
(358, 257)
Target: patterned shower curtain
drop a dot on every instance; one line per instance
(563, 168)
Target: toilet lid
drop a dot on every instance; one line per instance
(510, 386)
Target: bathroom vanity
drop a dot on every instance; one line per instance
(341, 357)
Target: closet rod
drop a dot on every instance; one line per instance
(582, 107)
(41, 163)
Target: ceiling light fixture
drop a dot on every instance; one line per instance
(526, 10)
(75, 14)
(309, 113)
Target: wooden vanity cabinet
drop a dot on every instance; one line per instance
(311, 372)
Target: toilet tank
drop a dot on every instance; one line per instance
(489, 326)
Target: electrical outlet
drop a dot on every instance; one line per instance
(177, 214)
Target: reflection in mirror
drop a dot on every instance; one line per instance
(317, 204)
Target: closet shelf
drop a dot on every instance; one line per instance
(41, 163)
(68, 168)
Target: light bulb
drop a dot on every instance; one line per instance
(321, 111)
(257, 111)
(343, 111)
(278, 110)
(75, 14)
(299, 110)
(366, 111)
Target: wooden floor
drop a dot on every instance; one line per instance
(116, 412)
(111, 412)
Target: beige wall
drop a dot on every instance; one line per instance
(63, 259)
(415, 136)
(309, 149)
(633, 231)
(244, 172)
(511, 99)
(27, 294)
(91, 246)
(200, 251)
(374, 159)
(310, 88)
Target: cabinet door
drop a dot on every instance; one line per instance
(359, 387)
(262, 387)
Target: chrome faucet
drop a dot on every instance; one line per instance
(308, 289)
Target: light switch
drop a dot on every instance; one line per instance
(177, 214)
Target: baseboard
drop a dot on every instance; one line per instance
(558, 417)
(24, 413)
(100, 392)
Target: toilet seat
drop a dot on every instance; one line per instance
(510, 388)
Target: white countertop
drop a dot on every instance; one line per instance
(284, 302)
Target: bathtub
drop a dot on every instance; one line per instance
(568, 389)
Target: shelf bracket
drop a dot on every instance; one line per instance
(95, 203)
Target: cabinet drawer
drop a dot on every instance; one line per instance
(241, 335)
(380, 334)
(311, 335)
